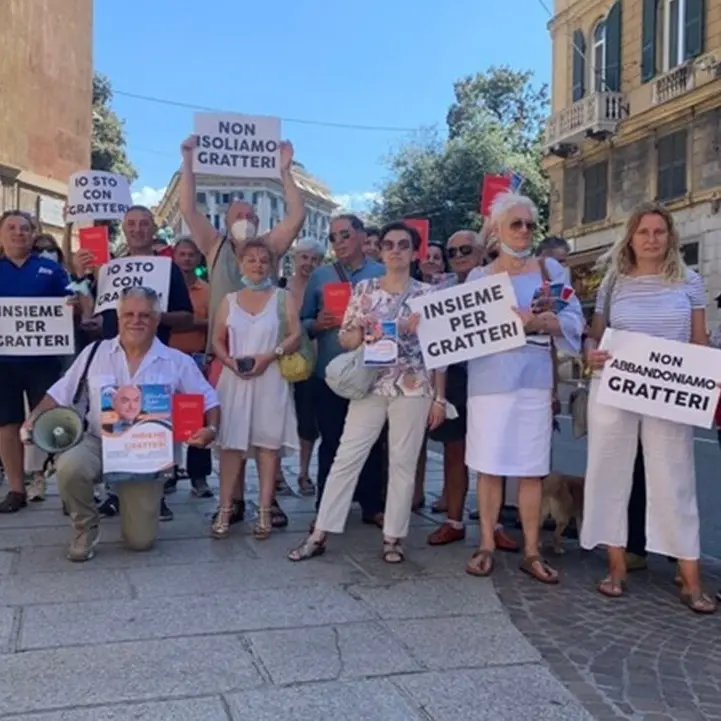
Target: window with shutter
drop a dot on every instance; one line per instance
(598, 58)
(613, 34)
(693, 31)
(579, 65)
(595, 192)
(671, 178)
(648, 41)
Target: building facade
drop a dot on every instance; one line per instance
(214, 193)
(46, 78)
(636, 116)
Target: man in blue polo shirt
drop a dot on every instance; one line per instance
(347, 236)
(23, 274)
(139, 229)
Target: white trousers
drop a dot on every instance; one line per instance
(672, 522)
(407, 419)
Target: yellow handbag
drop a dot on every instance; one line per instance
(298, 366)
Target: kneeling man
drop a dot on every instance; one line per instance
(134, 357)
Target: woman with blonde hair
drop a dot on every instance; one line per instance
(510, 422)
(647, 289)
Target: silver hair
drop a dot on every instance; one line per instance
(474, 237)
(308, 245)
(139, 291)
(504, 203)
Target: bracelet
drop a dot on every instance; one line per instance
(440, 402)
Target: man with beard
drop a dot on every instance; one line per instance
(220, 251)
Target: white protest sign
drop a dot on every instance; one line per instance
(468, 321)
(97, 195)
(241, 146)
(147, 271)
(660, 378)
(36, 326)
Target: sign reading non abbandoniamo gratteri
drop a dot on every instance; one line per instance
(97, 195)
(660, 378)
(468, 321)
(237, 145)
(147, 271)
(36, 326)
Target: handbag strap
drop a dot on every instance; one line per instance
(607, 300)
(554, 351)
(282, 315)
(340, 271)
(83, 380)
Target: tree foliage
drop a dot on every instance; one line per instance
(108, 140)
(494, 125)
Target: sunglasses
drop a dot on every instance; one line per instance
(340, 235)
(462, 251)
(402, 244)
(519, 224)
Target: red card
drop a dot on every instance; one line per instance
(336, 297)
(96, 240)
(423, 226)
(493, 185)
(567, 292)
(188, 414)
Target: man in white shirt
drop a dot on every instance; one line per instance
(134, 357)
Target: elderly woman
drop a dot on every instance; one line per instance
(405, 395)
(510, 393)
(259, 418)
(647, 289)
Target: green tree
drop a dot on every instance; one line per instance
(108, 151)
(494, 125)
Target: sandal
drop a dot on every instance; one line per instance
(13, 502)
(699, 602)
(481, 563)
(221, 522)
(262, 528)
(393, 552)
(308, 549)
(305, 486)
(539, 569)
(612, 587)
(281, 487)
(278, 517)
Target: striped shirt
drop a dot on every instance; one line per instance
(652, 305)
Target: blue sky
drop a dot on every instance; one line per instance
(388, 63)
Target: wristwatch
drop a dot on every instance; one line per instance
(279, 351)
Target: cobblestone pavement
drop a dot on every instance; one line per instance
(203, 630)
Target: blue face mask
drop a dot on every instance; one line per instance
(263, 285)
(519, 254)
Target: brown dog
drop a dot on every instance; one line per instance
(562, 500)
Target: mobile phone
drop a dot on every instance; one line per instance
(245, 364)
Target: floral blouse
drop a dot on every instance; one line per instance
(409, 377)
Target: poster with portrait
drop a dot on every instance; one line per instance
(136, 429)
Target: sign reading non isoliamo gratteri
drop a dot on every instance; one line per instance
(237, 145)
(97, 195)
(36, 326)
(660, 378)
(138, 271)
(468, 321)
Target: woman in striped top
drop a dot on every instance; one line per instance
(647, 289)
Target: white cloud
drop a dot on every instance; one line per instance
(357, 202)
(148, 196)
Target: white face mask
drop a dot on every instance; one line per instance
(50, 255)
(243, 230)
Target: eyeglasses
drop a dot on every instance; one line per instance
(402, 244)
(462, 251)
(519, 224)
(340, 235)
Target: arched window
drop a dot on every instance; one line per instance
(598, 58)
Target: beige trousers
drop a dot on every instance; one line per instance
(80, 468)
(407, 419)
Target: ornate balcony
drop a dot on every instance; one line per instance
(595, 116)
(674, 83)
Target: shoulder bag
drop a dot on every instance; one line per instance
(298, 366)
(578, 401)
(346, 375)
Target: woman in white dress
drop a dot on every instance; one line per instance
(258, 416)
(647, 289)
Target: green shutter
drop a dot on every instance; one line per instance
(579, 65)
(648, 41)
(694, 28)
(613, 48)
